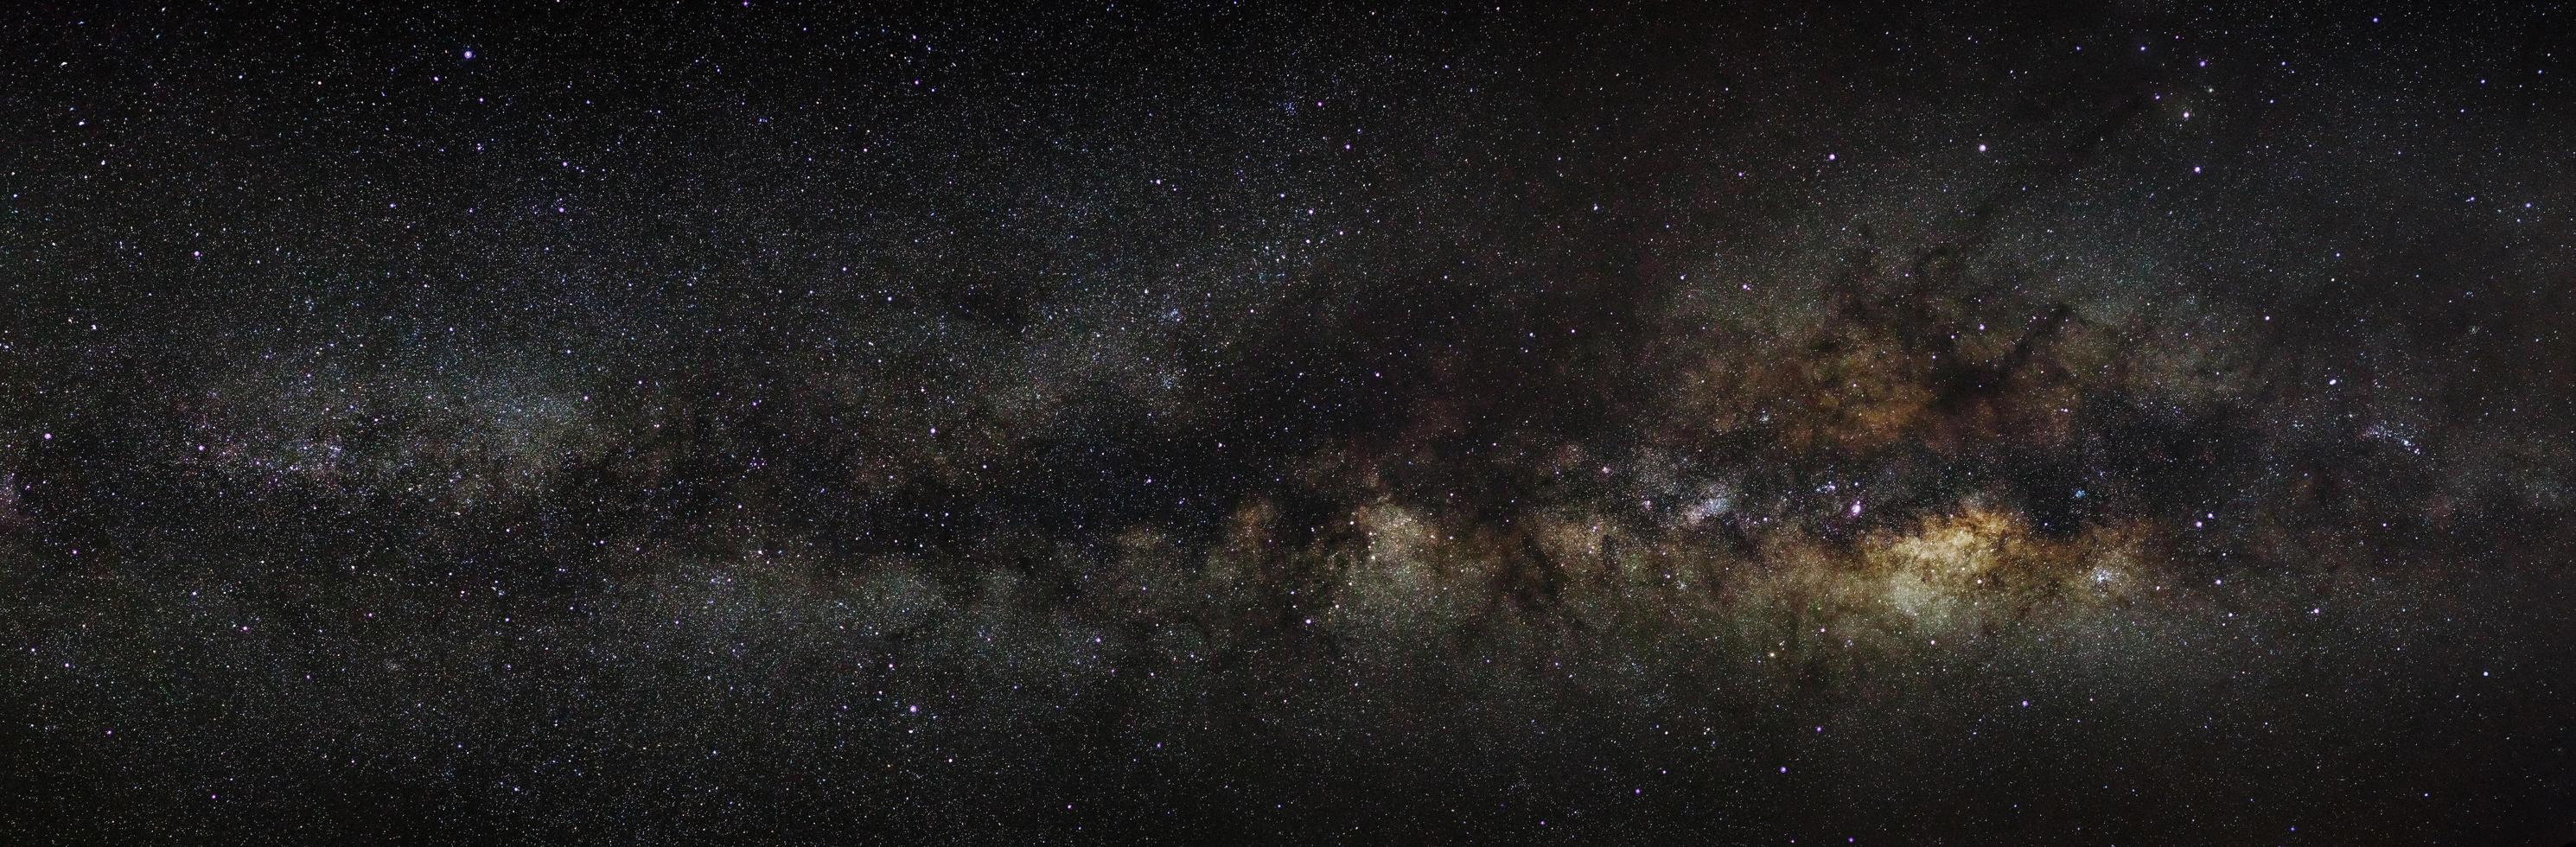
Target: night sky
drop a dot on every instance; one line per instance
(1215, 423)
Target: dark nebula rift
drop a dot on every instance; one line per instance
(1244, 423)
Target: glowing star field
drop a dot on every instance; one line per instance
(1217, 423)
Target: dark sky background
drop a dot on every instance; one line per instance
(1250, 423)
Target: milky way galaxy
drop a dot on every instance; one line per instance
(1252, 423)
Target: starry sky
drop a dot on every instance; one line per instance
(1198, 422)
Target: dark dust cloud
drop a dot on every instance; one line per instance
(1250, 423)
